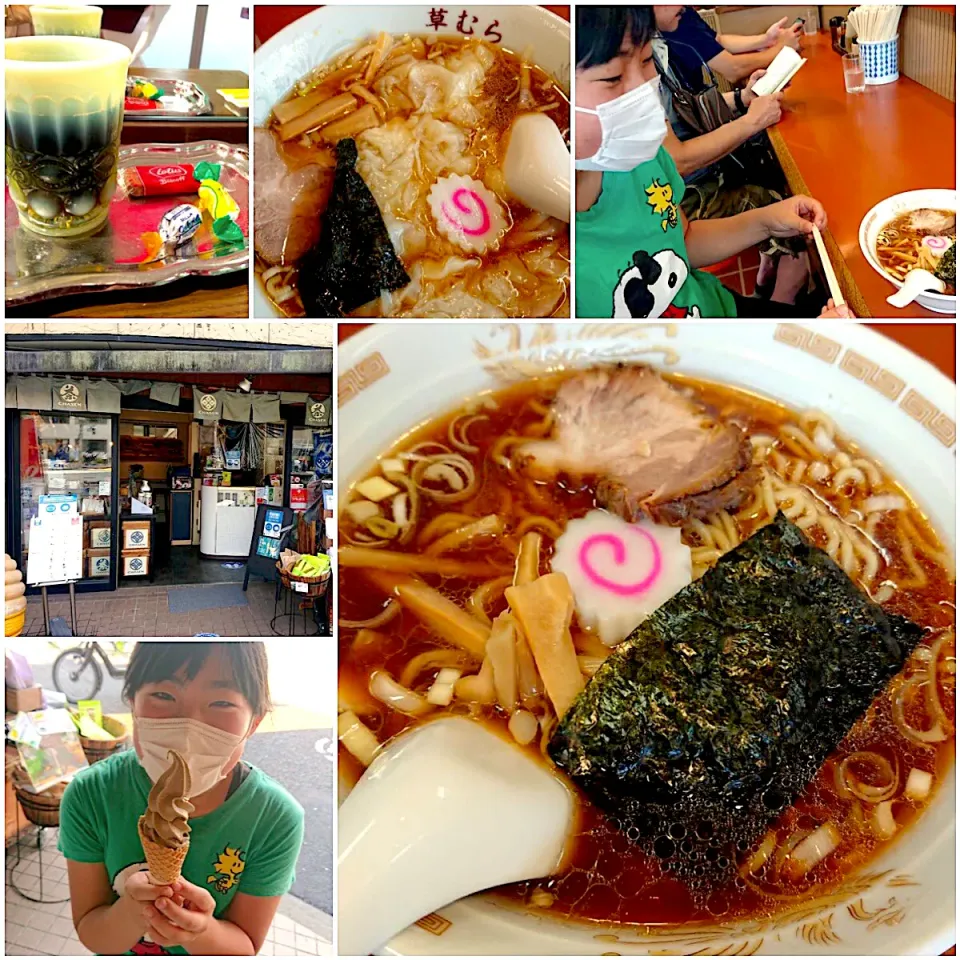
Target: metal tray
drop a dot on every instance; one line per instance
(181, 98)
(113, 259)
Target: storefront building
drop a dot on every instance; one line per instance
(165, 446)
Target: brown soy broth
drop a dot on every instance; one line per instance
(488, 143)
(605, 876)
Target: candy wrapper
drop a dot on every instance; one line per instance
(143, 90)
(216, 201)
(158, 180)
(138, 103)
(226, 229)
(180, 224)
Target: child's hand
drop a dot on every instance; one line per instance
(172, 925)
(832, 311)
(794, 216)
(139, 888)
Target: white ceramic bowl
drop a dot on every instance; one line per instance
(896, 406)
(883, 213)
(321, 34)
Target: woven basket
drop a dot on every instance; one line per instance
(316, 586)
(43, 809)
(95, 750)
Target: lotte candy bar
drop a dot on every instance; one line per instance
(159, 179)
(180, 224)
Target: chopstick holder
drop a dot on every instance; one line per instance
(832, 281)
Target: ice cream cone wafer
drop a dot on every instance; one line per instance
(163, 863)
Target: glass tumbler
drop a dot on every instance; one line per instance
(64, 109)
(811, 23)
(853, 73)
(66, 21)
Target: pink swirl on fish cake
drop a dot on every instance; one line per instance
(461, 205)
(620, 557)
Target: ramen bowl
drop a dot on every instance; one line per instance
(883, 213)
(320, 35)
(896, 407)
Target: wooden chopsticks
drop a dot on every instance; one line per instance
(832, 282)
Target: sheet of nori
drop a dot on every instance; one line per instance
(712, 716)
(354, 259)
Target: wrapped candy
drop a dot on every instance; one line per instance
(180, 224)
(215, 199)
(158, 179)
(144, 89)
(227, 230)
(138, 103)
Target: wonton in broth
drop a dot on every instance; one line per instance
(430, 118)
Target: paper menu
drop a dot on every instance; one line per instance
(784, 65)
(55, 547)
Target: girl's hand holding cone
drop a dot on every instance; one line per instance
(171, 925)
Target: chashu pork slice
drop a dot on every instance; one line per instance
(655, 450)
(287, 203)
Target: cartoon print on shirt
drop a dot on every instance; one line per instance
(228, 866)
(647, 288)
(143, 947)
(660, 198)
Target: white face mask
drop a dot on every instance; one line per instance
(632, 129)
(206, 749)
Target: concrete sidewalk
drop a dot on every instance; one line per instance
(46, 930)
(144, 611)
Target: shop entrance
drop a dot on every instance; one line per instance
(167, 483)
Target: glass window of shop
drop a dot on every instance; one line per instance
(69, 453)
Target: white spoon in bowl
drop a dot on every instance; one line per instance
(915, 283)
(444, 811)
(537, 166)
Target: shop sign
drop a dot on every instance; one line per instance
(69, 395)
(318, 413)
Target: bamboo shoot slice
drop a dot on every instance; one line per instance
(544, 609)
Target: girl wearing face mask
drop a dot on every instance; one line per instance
(637, 253)
(203, 700)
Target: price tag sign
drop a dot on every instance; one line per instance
(299, 586)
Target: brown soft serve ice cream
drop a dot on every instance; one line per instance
(164, 830)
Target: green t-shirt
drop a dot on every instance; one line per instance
(250, 843)
(631, 256)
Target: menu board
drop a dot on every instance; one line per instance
(56, 542)
(271, 530)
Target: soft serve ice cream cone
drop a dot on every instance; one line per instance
(164, 830)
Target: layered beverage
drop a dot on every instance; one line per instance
(64, 109)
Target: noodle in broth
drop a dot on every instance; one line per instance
(915, 241)
(880, 777)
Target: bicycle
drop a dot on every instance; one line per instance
(76, 669)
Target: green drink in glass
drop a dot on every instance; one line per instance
(64, 109)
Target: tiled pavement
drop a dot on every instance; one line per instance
(41, 929)
(144, 612)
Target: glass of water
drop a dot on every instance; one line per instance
(812, 22)
(853, 73)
